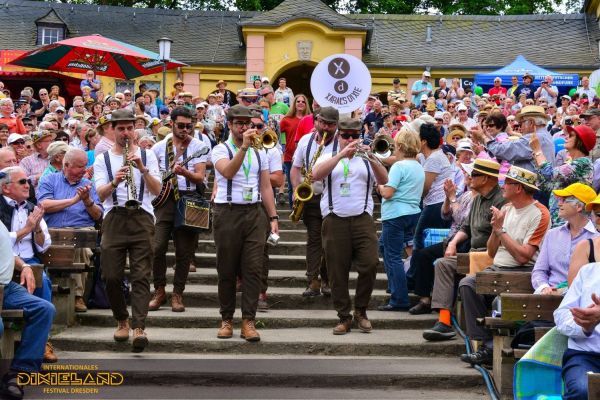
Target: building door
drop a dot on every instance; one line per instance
(298, 79)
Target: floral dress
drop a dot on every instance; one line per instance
(551, 178)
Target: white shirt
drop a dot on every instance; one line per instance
(469, 123)
(579, 295)
(437, 163)
(240, 184)
(300, 160)
(274, 158)
(163, 161)
(348, 192)
(7, 258)
(284, 96)
(22, 248)
(204, 139)
(116, 161)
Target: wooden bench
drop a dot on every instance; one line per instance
(593, 386)
(59, 259)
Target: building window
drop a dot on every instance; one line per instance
(49, 35)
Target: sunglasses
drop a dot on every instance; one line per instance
(475, 174)
(19, 143)
(568, 122)
(93, 122)
(349, 135)
(257, 126)
(597, 214)
(490, 126)
(300, 101)
(182, 125)
(61, 111)
(64, 139)
(27, 124)
(21, 181)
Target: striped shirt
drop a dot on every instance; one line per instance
(34, 165)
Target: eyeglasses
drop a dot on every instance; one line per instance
(93, 122)
(350, 135)
(568, 122)
(239, 124)
(18, 143)
(300, 101)
(63, 139)
(597, 214)
(257, 126)
(490, 126)
(21, 181)
(61, 111)
(43, 94)
(182, 125)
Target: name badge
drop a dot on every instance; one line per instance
(247, 193)
(344, 189)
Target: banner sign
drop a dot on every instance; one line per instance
(341, 81)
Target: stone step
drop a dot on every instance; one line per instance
(277, 278)
(298, 233)
(285, 214)
(296, 248)
(304, 373)
(196, 317)
(209, 260)
(301, 341)
(279, 298)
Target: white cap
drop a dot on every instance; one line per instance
(127, 91)
(485, 95)
(438, 115)
(464, 145)
(200, 105)
(264, 79)
(461, 107)
(13, 137)
(60, 108)
(424, 97)
(468, 167)
(427, 73)
(566, 96)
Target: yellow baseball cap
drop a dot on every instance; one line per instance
(580, 191)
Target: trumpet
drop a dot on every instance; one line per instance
(267, 140)
(132, 202)
(383, 146)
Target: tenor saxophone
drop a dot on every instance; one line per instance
(304, 191)
(132, 202)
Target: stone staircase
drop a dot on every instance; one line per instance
(297, 357)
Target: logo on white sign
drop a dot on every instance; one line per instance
(341, 81)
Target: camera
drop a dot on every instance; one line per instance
(273, 239)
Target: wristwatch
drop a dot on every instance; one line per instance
(25, 265)
(453, 201)
(274, 218)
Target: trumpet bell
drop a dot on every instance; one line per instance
(304, 192)
(269, 139)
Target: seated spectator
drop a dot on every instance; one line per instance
(15, 125)
(35, 164)
(16, 142)
(456, 207)
(473, 234)
(70, 201)
(577, 317)
(38, 313)
(56, 153)
(585, 252)
(518, 230)
(4, 135)
(549, 274)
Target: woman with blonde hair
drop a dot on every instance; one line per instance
(150, 105)
(400, 212)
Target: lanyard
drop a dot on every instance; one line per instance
(245, 167)
(346, 165)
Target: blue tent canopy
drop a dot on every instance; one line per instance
(518, 67)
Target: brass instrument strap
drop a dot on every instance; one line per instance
(310, 142)
(111, 176)
(170, 156)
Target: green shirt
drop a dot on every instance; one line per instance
(478, 224)
(279, 108)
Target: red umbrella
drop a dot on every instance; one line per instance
(105, 56)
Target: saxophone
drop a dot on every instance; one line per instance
(304, 191)
(132, 202)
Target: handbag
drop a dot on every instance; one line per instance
(192, 213)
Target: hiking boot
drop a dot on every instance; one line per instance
(80, 304)
(420, 308)
(226, 329)
(49, 356)
(360, 316)
(159, 297)
(439, 332)
(313, 289)
(248, 331)
(177, 303)
(325, 289)
(122, 332)
(192, 267)
(140, 340)
(262, 302)
(483, 356)
(343, 326)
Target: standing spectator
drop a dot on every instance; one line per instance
(149, 104)
(456, 92)
(400, 212)
(395, 92)
(527, 88)
(515, 84)
(497, 91)
(35, 164)
(443, 88)
(284, 94)
(55, 92)
(421, 87)
(228, 95)
(278, 108)
(591, 118)
(93, 83)
(586, 90)
(15, 125)
(463, 117)
(374, 120)
(288, 125)
(547, 91)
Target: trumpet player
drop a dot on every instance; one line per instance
(325, 123)
(349, 236)
(127, 231)
(240, 224)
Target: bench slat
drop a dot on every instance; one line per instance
(529, 307)
(79, 238)
(593, 386)
(495, 282)
(58, 255)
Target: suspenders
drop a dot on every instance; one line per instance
(230, 182)
(329, 185)
(187, 181)
(307, 158)
(110, 176)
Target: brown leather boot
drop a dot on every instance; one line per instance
(192, 267)
(249, 331)
(226, 329)
(177, 303)
(360, 316)
(80, 304)
(122, 332)
(140, 340)
(159, 297)
(49, 356)
(343, 326)
(313, 289)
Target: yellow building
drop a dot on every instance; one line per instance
(292, 38)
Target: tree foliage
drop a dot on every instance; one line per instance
(446, 7)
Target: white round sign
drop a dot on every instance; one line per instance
(341, 81)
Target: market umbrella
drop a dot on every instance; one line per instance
(105, 56)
